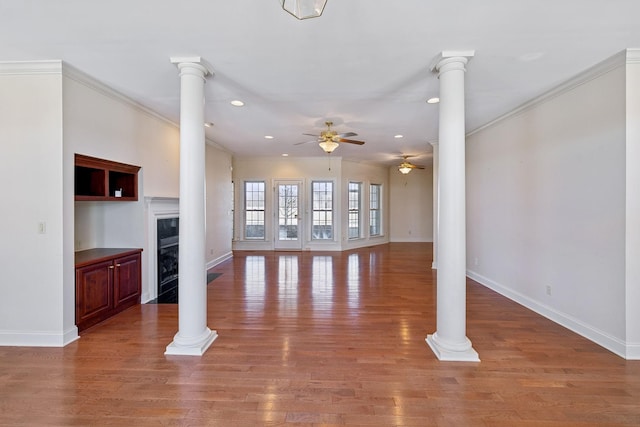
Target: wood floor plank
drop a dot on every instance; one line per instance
(323, 339)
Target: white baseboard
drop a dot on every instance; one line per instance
(219, 260)
(633, 352)
(38, 338)
(599, 337)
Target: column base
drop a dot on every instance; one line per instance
(452, 355)
(192, 349)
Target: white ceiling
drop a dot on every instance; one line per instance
(363, 64)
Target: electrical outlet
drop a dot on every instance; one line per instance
(548, 290)
(42, 228)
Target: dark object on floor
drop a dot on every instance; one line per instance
(173, 297)
(212, 276)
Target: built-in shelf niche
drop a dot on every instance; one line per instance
(100, 179)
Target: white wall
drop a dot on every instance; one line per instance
(48, 112)
(308, 170)
(365, 174)
(219, 206)
(32, 192)
(546, 205)
(632, 271)
(269, 169)
(411, 205)
(101, 123)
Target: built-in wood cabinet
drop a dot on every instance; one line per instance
(108, 280)
(99, 179)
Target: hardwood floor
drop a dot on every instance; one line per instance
(323, 339)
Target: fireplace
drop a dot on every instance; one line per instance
(167, 236)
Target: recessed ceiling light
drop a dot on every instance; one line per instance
(237, 103)
(433, 100)
(208, 125)
(398, 136)
(268, 137)
(285, 155)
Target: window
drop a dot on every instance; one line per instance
(375, 196)
(355, 190)
(254, 209)
(233, 210)
(322, 207)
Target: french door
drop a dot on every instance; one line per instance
(288, 221)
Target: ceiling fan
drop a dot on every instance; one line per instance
(329, 140)
(405, 167)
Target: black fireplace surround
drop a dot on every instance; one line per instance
(167, 260)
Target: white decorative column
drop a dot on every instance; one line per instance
(449, 342)
(436, 193)
(193, 337)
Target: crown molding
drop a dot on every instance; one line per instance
(633, 56)
(92, 83)
(59, 67)
(14, 68)
(618, 60)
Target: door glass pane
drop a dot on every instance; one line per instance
(288, 211)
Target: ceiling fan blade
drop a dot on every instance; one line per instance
(411, 165)
(349, 141)
(305, 142)
(310, 134)
(346, 134)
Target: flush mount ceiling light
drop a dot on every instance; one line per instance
(268, 137)
(237, 103)
(398, 136)
(433, 100)
(304, 9)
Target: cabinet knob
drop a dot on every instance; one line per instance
(111, 266)
(117, 265)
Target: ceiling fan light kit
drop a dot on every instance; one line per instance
(304, 9)
(404, 169)
(328, 146)
(329, 139)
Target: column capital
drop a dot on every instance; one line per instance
(192, 62)
(457, 57)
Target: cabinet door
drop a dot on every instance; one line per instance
(127, 283)
(93, 293)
